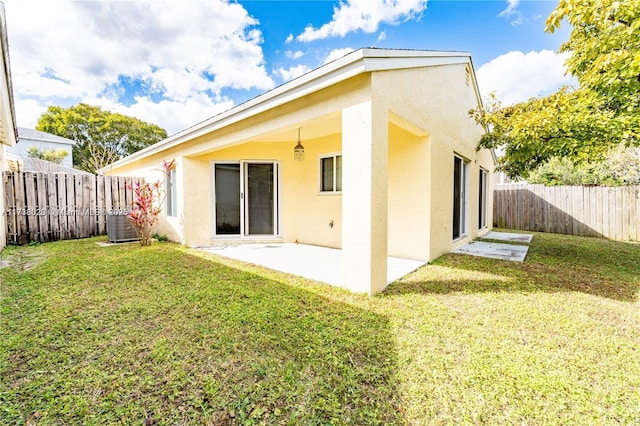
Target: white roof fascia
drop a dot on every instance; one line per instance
(355, 63)
(25, 133)
(56, 141)
(6, 101)
(9, 129)
(9, 137)
(481, 104)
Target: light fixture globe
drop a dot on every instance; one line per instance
(298, 150)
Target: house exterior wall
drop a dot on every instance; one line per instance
(22, 149)
(305, 214)
(428, 123)
(459, 140)
(3, 216)
(151, 171)
(313, 221)
(434, 103)
(8, 137)
(408, 208)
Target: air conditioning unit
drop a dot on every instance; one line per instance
(120, 229)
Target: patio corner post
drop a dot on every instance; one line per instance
(364, 198)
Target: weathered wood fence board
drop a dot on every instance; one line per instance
(56, 206)
(594, 211)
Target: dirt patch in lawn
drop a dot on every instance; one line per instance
(22, 260)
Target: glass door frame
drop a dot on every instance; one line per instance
(460, 197)
(243, 199)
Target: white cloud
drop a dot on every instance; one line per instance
(517, 77)
(29, 110)
(364, 15)
(512, 11)
(337, 54)
(382, 35)
(289, 39)
(294, 55)
(512, 6)
(288, 74)
(184, 113)
(517, 20)
(176, 53)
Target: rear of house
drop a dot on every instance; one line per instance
(8, 133)
(389, 167)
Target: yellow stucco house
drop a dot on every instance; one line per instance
(386, 164)
(8, 129)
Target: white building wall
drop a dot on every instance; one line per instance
(22, 149)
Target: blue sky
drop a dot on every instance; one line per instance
(177, 63)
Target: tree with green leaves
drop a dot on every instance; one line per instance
(51, 155)
(583, 124)
(102, 137)
(621, 167)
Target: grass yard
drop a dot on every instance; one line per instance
(168, 335)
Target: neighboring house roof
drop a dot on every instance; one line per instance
(358, 62)
(8, 128)
(36, 165)
(36, 135)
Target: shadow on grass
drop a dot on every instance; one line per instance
(554, 263)
(125, 333)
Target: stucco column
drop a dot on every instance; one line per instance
(195, 198)
(364, 198)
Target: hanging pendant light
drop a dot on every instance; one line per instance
(298, 151)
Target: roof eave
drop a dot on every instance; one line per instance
(56, 141)
(355, 63)
(6, 97)
(481, 105)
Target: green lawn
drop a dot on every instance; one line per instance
(117, 335)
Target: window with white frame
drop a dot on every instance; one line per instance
(331, 173)
(172, 195)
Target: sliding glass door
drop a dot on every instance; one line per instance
(260, 190)
(460, 201)
(246, 198)
(227, 199)
(482, 201)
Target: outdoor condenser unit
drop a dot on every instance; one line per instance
(120, 229)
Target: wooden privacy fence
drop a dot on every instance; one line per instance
(597, 211)
(43, 207)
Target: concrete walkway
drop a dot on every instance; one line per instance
(313, 262)
(508, 236)
(512, 252)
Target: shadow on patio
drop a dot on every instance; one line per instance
(316, 263)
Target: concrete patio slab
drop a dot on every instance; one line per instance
(313, 262)
(512, 252)
(508, 236)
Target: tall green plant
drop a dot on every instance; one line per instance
(148, 199)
